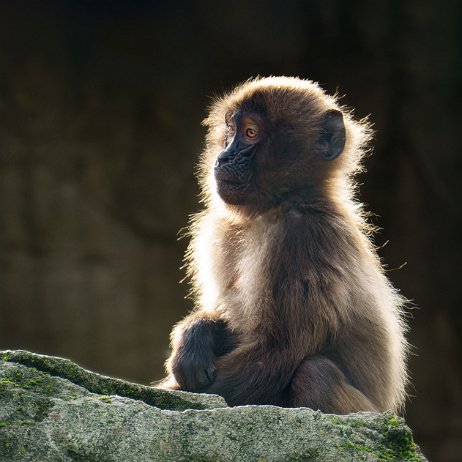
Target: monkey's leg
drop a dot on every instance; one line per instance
(196, 341)
(319, 384)
(248, 375)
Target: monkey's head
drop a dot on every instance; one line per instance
(276, 141)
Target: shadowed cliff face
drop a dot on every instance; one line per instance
(52, 409)
(100, 110)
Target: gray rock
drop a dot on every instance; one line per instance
(53, 410)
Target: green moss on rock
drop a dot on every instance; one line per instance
(51, 409)
(95, 383)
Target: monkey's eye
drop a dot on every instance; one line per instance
(251, 133)
(251, 128)
(230, 130)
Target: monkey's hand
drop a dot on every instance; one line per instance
(196, 342)
(193, 371)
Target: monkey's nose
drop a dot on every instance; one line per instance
(222, 158)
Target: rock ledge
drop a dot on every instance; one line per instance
(53, 410)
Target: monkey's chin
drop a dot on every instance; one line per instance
(233, 193)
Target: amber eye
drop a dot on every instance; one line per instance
(251, 133)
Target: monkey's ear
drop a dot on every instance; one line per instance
(331, 141)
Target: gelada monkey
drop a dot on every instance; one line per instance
(292, 304)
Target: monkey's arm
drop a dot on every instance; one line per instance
(196, 341)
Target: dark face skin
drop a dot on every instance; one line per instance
(234, 166)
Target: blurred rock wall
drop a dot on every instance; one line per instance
(100, 110)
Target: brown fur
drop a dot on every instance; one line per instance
(293, 307)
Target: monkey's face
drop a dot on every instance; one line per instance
(273, 141)
(265, 162)
(235, 166)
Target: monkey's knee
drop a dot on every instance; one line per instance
(319, 384)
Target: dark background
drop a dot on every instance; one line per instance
(100, 111)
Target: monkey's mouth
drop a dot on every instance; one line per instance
(231, 188)
(233, 183)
